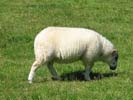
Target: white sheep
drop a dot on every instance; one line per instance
(65, 45)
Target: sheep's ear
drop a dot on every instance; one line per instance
(114, 52)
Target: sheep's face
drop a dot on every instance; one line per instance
(112, 59)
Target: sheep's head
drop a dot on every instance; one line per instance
(111, 59)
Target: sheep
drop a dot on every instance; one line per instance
(66, 45)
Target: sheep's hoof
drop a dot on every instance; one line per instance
(30, 82)
(56, 78)
(87, 78)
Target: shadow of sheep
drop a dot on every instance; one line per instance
(79, 75)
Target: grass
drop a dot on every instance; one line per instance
(21, 20)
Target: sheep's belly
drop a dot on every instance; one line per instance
(68, 56)
(66, 60)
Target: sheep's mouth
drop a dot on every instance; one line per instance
(113, 67)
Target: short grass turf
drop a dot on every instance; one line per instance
(21, 20)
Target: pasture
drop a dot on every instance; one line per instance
(21, 20)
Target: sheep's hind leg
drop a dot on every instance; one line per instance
(53, 71)
(34, 67)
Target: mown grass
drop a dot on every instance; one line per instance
(21, 20)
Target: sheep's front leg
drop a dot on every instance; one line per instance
(87, 72)
(53, 71)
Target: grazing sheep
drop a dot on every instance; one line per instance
(65, 45)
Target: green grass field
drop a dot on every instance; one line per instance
(21, 20)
